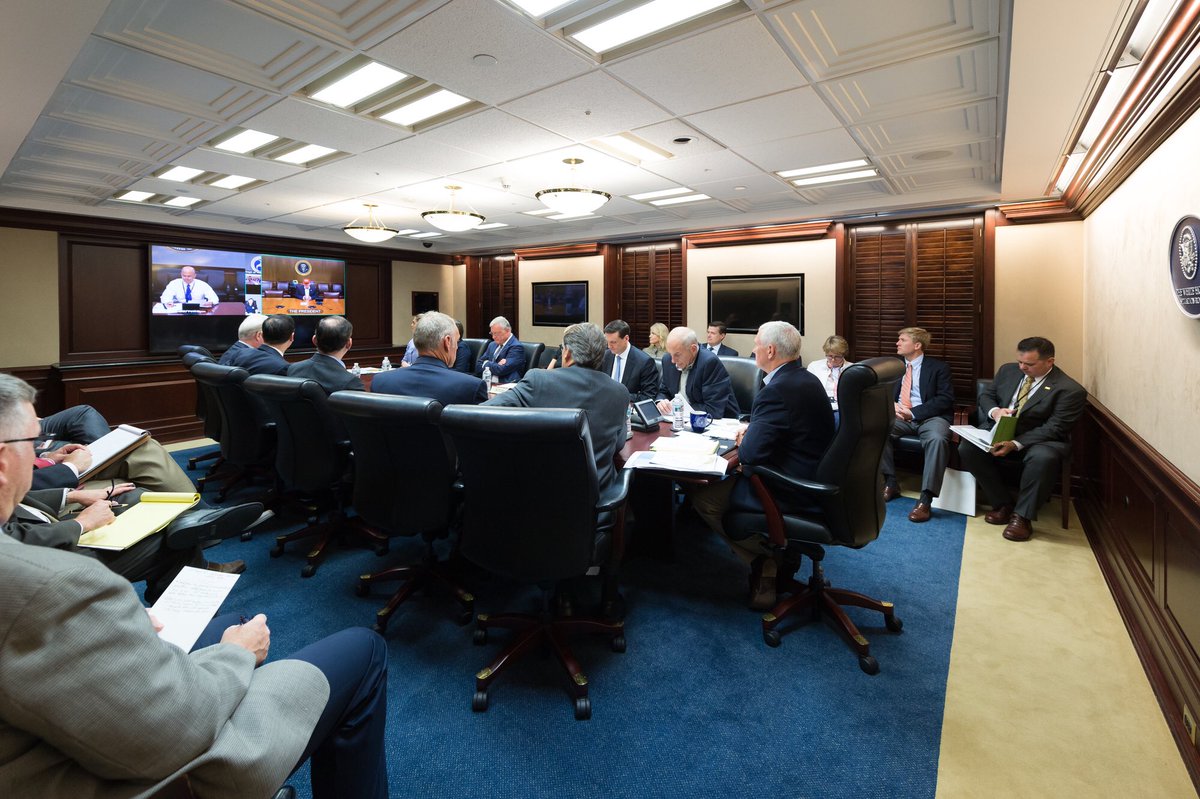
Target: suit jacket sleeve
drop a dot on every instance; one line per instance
(148, 708)
(1069, 401)
(940, 401)
(57, 476)
(519, 396)
(647, 386)
(514, 366)
(59, 535)
(768, 424)
(718, 391)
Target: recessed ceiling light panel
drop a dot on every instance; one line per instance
(427, 107)
(642, 21)
(363, 82)
(246, 141)
(654, 195)
(691, 198)
(232, 182)
(135, 196)
(841, 176)
(816, 170)
(302, 155)
(181, 173)
(182, 202)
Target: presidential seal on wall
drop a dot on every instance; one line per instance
(1184, 263)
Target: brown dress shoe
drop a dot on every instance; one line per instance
(921, 513)
(890, 493)
(232, 567)
(1019, 529)
(999, 514)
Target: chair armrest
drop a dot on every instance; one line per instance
(778, 479)
(760, 476)
(618, 493)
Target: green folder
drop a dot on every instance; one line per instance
(1005, 430)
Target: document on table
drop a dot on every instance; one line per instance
(696, 462)
(683, 441)
(725, 428)
(189, 604)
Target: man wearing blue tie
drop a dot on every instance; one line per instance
(188, 289)
(505, 356)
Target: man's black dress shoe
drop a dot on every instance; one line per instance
(191, 527)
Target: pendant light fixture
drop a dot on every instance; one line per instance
(372, 231)
(573, 200)
(450, 220)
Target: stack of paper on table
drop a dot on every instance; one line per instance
(697, 462)
(685, 442)
(189, 604)
(153, 512)
(724, 428)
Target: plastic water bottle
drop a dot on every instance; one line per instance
(629, 422)
(677, 413)
(356, 370)
(487, 377)
(386, 365)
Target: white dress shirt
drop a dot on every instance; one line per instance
(176, 292)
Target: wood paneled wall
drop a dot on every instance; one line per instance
(1142, 516)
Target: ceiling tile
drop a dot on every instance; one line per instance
(233, 164)
(496, 135)
(442, 47)
(115, 113)
(681, 77)
(763, 119)
(703, 168)
(930, 129)
(796, 152)
(587, 107)
(360, 24)
(316, 124)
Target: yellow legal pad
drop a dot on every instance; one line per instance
(152, 513)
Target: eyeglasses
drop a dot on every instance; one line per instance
(835, 358)
(19, 440)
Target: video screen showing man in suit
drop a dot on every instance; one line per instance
(303, 286)
(628, 365)
(432, 374)
(187, 289)
(305, 290)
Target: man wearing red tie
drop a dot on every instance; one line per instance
(924, 408)
(306, 290)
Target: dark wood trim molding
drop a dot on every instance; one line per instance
(1037, 211)
(612, 282)
(759, 235)
(1142, 517)
(559, 251)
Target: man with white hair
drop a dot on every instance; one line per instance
(791, 426)
(695, 372)
(430, 374)
(504, 355)
(250, 337)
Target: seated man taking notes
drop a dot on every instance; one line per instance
(1046, 403)
(94, 703)
(698, 375)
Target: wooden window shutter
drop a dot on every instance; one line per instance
(652, 288)
(925, 274)
(499, 295)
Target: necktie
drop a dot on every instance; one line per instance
(187, 292)
(1023, 394)
(832, 380)
(906, 387)
(617, 369)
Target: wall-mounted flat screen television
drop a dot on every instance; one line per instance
(560, 304)
(200, 296)
(744, 303)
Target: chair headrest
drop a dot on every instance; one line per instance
(286, 389)
(363, 405)
(219, 374)
(508, 423)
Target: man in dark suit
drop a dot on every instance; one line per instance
(1047, 404)
(716, 340)
(628, 365)
(925, 408)
(305, 290)
(250, 338)
(705, 383)
(504, 355)
(791, 426)
(436, 339)
(333, 340)
(463, 362)
(278, 332)
(581, 384)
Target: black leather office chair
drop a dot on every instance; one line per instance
(211, 420)
(404, 473)
(548, 354)
(569, 532)
(533, 352)
(746, 378)
(184, 349)
(247, 434)
(477, 346)
(312, 456)
(845, 498)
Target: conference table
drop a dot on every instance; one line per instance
(295, 307)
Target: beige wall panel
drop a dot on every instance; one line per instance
(815, 259)
(408, 277)
(589, 268)
(29, 269)
(1142, 353)
(1039, 290)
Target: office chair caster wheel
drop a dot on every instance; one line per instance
(479, 637)
(363, 588)
(246, 536)
(277, 550)
(479, 701)
(894, 624)
(868, 664)
(771, 638)
(308, 571)
(618, 644)
(464, 618)
(583, 708)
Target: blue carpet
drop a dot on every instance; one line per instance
(697, 706)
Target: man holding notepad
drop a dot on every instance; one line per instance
(1045, 404)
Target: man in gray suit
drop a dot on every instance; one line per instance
(94, 703)
(584, 385)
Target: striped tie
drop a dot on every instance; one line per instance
(906, 388)
(1023, 394)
